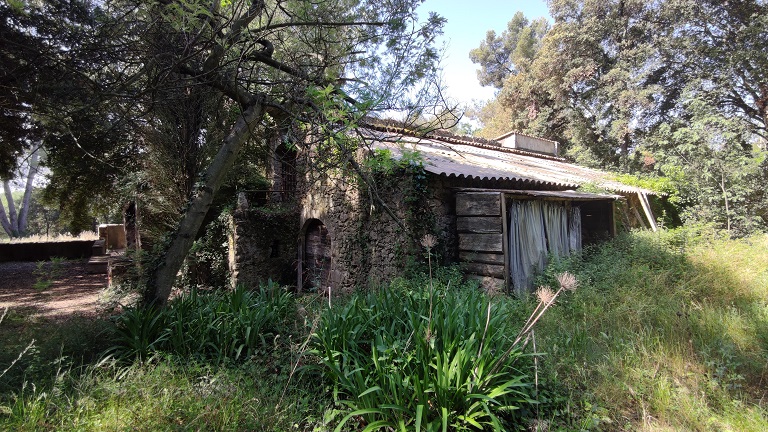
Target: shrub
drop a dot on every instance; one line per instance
(437, 359)
(220, 325)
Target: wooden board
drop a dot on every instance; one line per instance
(480, 242)
(505, 239)
(481, 257)
(478, 224)
(492, 270)
(478, 204)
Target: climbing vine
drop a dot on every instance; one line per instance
(403, 184)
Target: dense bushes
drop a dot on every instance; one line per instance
(218, 325)
(413, 357)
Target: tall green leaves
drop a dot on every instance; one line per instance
(227, 325)
(424, 359)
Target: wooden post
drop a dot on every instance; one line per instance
(643, 198)
(505, 240)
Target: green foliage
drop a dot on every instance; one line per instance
(46, 273)
(166, 395)
(63, 383)
(671, 325)
(666, 332)
(220, 326)
(659, 89)
(715, 170)
(410, 358)
(207, 263)
(663, 185)
(510, 53)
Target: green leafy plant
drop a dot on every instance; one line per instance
(220, 325)
(425, 359)
(45, 275)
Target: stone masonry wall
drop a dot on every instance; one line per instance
(263, 245)
(334, 201)
(368, 247)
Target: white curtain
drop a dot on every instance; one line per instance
(537, 229)
(574, 229)
(556, 223)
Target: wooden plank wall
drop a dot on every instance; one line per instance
(479, 225)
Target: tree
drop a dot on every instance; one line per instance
(15, 223)
(289, 61)
(622, 82)
(717, 168)
(59, 94)
(511, 53)
(141, 84)
(608, 73)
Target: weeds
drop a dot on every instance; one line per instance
(21, 354)
(662, 336)
(46, 273)
(666, 332)
(219, 326)
(434, 357)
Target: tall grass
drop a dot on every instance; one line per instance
(664, 333)
(431, 357)
(163, 395)
(215, 382)
(219, 325)
(667, 334)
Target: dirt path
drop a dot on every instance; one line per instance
(51, 290)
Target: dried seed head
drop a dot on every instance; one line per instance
(545, 294)
(429, 241)
(567, 281)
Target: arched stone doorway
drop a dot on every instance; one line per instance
(316, 256)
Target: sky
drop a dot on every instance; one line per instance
(468, 22)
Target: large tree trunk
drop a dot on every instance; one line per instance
(162, 278)
(4, 221)
(11, 208)
(24, 210)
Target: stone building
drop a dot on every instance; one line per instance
(499, 207)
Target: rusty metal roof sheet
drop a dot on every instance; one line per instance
(562, 195)
(485, 162)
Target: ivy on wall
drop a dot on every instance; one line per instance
(404, 185)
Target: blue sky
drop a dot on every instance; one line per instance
(468, 21)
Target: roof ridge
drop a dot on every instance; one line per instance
(516, 132)
(400, 127)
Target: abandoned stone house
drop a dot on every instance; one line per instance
(500, 208)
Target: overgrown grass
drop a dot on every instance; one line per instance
(65, 383)
(219, 325)
(430, 357)
(85, 235)
(664, 333)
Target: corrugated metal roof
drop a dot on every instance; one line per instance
(566, 195)
(484, 162)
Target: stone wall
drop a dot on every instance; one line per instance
(367, 247)
(334, 201)
(262, 244)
